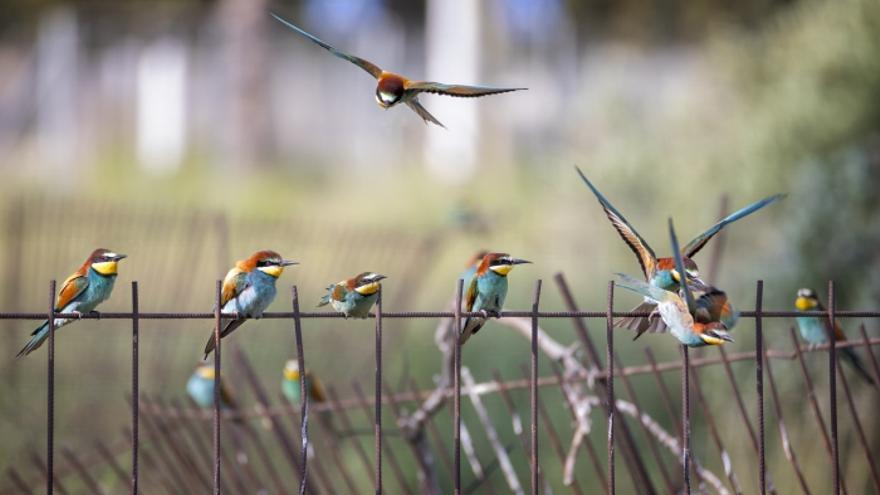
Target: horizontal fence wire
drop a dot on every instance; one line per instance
(606, 373)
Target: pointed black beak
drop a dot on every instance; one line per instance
(120, 256)
(289, 262)
(517, 261)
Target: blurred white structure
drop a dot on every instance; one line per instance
(57, 92)
(452, 51)
(161, 106)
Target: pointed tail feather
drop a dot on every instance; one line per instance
(849, 354)
(230, 327)
(38, 336)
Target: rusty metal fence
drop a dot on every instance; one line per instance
(181, 471)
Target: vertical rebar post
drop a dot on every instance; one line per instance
(218, 297)
(347, 426)
(389, 452)
(377, 452)
(609, 363)
(304, 393)
(135, 394)
(759, 381)
(533, 388)
(456, 380)
(50, 399)
(685, 419)
(832, 385)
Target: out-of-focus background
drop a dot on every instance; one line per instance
(189, 134)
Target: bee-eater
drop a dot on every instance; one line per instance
(693, 324)
(394, 88)
(658, 272)
(813, 330)
(486, 290)
(249, 288)
(355, 296)
(290, 384)
(81, 293)
(200, 387)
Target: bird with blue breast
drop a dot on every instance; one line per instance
(814, 330)
(82, 292)
(658, 272)
(694, 322)
(355, 296)
(248, 289)
(486, 290)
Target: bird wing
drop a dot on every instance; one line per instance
(317, 389)
(370, 67)
(226, 396)
(458, 90)
(630, 236)
(679, 266)
(233, 284)
(470, 296)
(417, 107)
(639, 287)
(72, 287)
(698, 242)
(335, 292)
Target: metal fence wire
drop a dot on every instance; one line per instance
(177, 462)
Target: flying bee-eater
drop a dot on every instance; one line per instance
(813, 330)
(290, 384)
(248, 289)
(693, 324)
(81, 293)
(486, 290)
(658, 272)
(354, 297)
(392, 88)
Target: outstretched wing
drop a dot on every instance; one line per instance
(72, 287)
(682, 274)
(646, 290)
(458, 90)
(371, 68)
(424, 114)
(695, 245)
(644, 253)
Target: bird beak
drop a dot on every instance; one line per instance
(516, 261)
(289, 262)
(379, 277)
(120, 256)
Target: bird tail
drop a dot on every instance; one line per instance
(849, 354)
(326, 299)
(232, 325)
(471, 326)
(38, 336)
(642, 324)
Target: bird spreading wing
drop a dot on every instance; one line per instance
(644, 253)
(457, 90)
(368, 66)
(698, 242)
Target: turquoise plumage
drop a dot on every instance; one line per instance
(486, 290)
(354, 297)
(82, 292)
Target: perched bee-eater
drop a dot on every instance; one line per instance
(354, 297)
(81, 293)
(813, 330)
(290, 384)
(659, 271)
(393, 88)
(486, 290)
(200, 387)
(694, 325)
(249, 288)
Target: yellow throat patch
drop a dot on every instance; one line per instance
(274, 271)
(106, 267)
(804, 304)
(369, 289)
(501, 269)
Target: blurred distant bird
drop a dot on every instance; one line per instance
(290, 384)
(658, 271)
(355, 296)
(393, 88)
(813, 330)
(248, 289)
(200, 387)
(486, 290)
(81, 293)
(694, 324)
